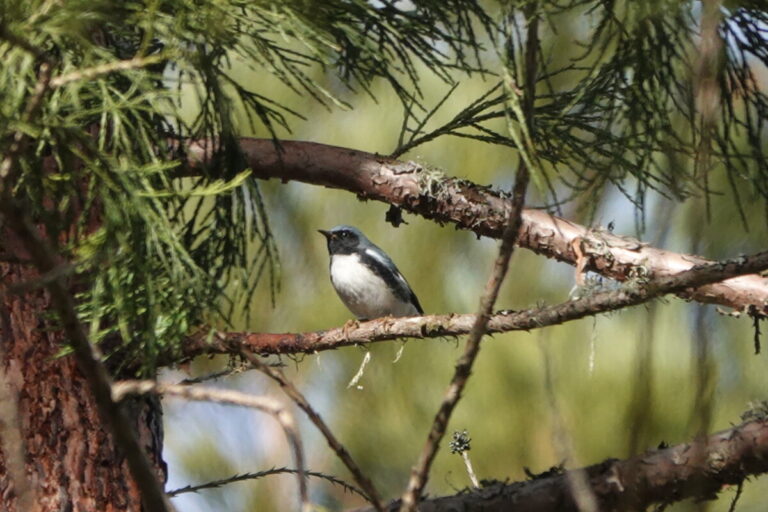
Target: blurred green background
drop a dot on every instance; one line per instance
(620, 383)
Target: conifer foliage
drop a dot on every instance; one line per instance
(100, 101)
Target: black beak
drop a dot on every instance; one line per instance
(326, 234)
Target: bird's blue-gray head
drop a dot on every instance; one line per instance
(345, 240)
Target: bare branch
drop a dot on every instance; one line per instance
(254, 476)
(632, 484)
(452, 395)
(428, 193)
(294, 394)
(123, 388)
(237, 370)
(436, 326)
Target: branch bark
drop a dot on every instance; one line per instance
(435, 326)
(661, 476)
(428, 193)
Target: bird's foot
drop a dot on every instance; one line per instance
(348, 326)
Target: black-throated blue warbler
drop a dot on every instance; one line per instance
(366, 279)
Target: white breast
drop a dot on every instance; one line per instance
(363, 292)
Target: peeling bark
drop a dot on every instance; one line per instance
(429, 193)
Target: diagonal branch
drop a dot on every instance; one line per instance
(661, 476)
(21, 139)
(420, 472)
(436, 326)
(428, 193)
(294, 394)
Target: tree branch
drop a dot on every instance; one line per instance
(420, 472)
(452, 395)
(107, 68)
(661, 476)
(371, 494)
(436, 326)
(261, 474)
(428, 193)
(283, 416)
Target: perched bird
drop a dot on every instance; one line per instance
(365, 278)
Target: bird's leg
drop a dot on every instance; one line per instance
(388, 321)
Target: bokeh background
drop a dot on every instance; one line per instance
(601, 387)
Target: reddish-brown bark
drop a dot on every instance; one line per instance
(70, 460)
(433, 326)
(483, 210)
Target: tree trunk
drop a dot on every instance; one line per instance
(70, 461)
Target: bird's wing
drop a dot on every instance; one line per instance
(381, 263)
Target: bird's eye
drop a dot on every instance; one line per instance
(344, 234)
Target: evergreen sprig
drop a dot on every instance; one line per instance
(115, 84)
(158, 255)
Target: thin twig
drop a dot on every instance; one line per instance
(223, 373)
(437, 326)
(213, 376)
(123, 388)
(106, 68)
(705, 378)
(420, 472)
(470, 470)
(46, 260)
(294, 394)
(735, 500)
(462, 444)
(274, 471)
(21, 138)
(707, 93)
